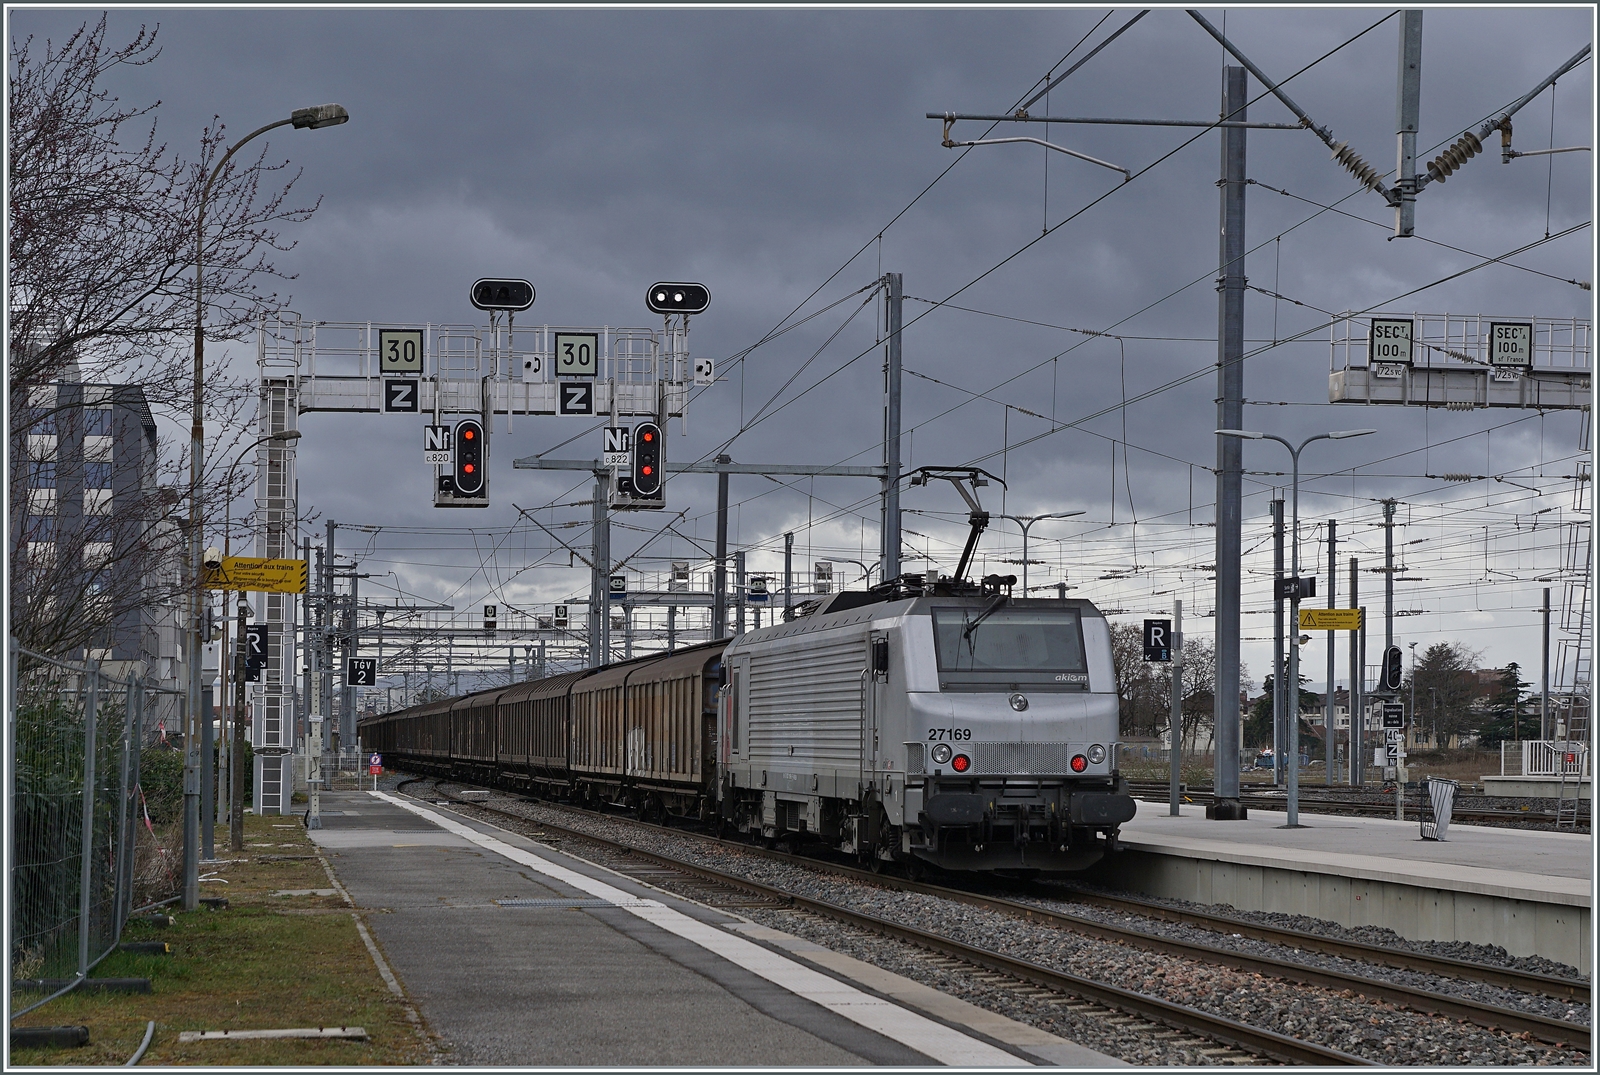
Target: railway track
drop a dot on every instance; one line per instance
(1321, 800)
(1272, 1045)
(1241, 1042)
(1402, 959)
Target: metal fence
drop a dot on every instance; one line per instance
(1544, 757)
(73, 741)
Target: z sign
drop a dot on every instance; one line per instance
(400, 396)
(577, 397)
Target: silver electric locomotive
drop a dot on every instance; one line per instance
(951, 725)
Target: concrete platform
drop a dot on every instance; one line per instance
(1528, 891)
(1536, 787)
(604, 970)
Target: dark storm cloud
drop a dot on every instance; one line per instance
(595, 151)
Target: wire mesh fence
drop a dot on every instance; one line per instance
(74, 740)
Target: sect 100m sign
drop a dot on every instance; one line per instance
(1389, 346)
(1510, 344)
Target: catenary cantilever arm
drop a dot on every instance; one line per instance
(1126, 175)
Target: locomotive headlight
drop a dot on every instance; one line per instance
(1097, 754)
(1019, 702)
(941, 753)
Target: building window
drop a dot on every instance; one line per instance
(96, 555)
(97, 422)
(97, 475)
(42, 473)
(97, 449)
(42, 416)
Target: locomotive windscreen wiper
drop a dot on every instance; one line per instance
(995, 603)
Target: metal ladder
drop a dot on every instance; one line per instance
(1574, 660)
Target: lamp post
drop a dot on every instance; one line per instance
(1407, 735)
(867, 571)
(1294, 601)
(236, 762)
(315, 117)
(1026, 521)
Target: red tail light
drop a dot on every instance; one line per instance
(960, 763)
(1079, 763)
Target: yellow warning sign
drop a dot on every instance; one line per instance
(1330, 619)
(254, 573)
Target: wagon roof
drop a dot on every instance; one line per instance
(478, 698)
(676, 665)
(665, 665)
(542, 688)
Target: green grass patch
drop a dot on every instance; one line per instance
(268, 962)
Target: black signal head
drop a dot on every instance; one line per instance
(669, 298)
(490, 294)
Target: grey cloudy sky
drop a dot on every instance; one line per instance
(593, 152)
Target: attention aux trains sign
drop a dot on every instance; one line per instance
(258, 574)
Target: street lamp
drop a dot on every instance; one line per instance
(236, 763)
(1294, 601)
(867, 571)
(1025, 521)
(313, 118)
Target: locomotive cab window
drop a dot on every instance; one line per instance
(982, 647)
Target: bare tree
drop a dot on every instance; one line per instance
(1141, 701)
(101, 228)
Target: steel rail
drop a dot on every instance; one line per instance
(1358, 951)
(1443, 966)
(1544, 1028)
(1179, 1016)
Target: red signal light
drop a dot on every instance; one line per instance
(960, 763)
(1079, 763)
(470, 451)
(646, 462)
